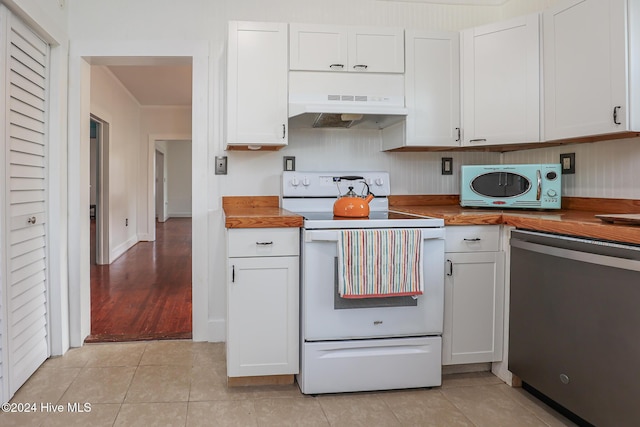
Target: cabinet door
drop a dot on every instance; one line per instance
(262, 316)
(376, 50)
(432, 92)
(501, 82)
(317, 47)
(585, 68)
(474, 308)
(257, 84)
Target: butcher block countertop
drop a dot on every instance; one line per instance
(257, 212)
(577, 216)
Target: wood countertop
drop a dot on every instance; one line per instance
(577, 217)
(257, 212)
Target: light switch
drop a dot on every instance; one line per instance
(289, 163)
(568, 163)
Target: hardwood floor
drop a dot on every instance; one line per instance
(146, 293)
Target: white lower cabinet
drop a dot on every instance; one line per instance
(262, 302)
(474, 295)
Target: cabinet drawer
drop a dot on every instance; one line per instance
(472, 238)
(251, 242)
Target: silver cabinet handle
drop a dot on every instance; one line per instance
(360, 67)
(478, 140)
(32, 220)
(458, 130)
(334, 66)
(233, 274)
(450, 266)
(284, 130)
(615, 115)
(475, 239)
(264, 243)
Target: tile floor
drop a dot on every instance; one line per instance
(181, 383)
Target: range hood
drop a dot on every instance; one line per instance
(345, 100)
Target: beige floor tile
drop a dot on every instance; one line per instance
(100, 385)
(289, 412)
(115, 354)
(488, 406)
(537, 407)
(99, 415)
(160, 384)
(209, 354)
(168, 353)
(46, 385)
(152, 414)
(207, 383)
(74, 358)
(362, 409)
(469, 379)
(428, 408)
(222, 414)
(21, 419)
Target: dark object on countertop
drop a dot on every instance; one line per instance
(631, 219)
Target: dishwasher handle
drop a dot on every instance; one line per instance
(609, 261)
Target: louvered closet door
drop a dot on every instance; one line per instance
(25, 228)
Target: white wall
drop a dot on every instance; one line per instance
(111, 102)
(179, 178)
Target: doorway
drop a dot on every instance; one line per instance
(159, 188)
(98, 190)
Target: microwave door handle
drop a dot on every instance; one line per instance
(539, 190)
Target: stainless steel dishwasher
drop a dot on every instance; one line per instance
(574, 324)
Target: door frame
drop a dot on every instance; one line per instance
(151, 181)
(83, 54)
(103, 248)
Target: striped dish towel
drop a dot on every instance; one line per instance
(380, 263)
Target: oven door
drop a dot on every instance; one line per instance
(326, 316)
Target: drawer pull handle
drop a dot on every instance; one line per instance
(475, 239)
(340, 66)
(264, 243)
(450, 265)
(360, 67)
(233, 274)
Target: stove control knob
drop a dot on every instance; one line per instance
(295, 182)
(379, 181)
(305, 181)
(552, 193)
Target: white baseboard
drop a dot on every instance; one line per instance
(122, 248)
(179, 215)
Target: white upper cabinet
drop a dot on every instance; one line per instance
(501, 82)
(589, 76)
(257, 84)
(432, 92)
(336, 48)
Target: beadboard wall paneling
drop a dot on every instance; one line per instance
(608, 169)
(348, 150)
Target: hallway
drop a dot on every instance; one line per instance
(146, 293)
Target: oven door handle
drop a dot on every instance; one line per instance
(334, 235)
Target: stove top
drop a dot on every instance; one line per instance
(376, 219)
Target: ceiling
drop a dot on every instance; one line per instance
(156, 84)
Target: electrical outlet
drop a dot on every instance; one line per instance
(447, 166)
(289, 163)
(568, 163)
(221, 165)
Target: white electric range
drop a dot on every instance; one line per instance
(368, 343)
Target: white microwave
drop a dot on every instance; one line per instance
(527, 186)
